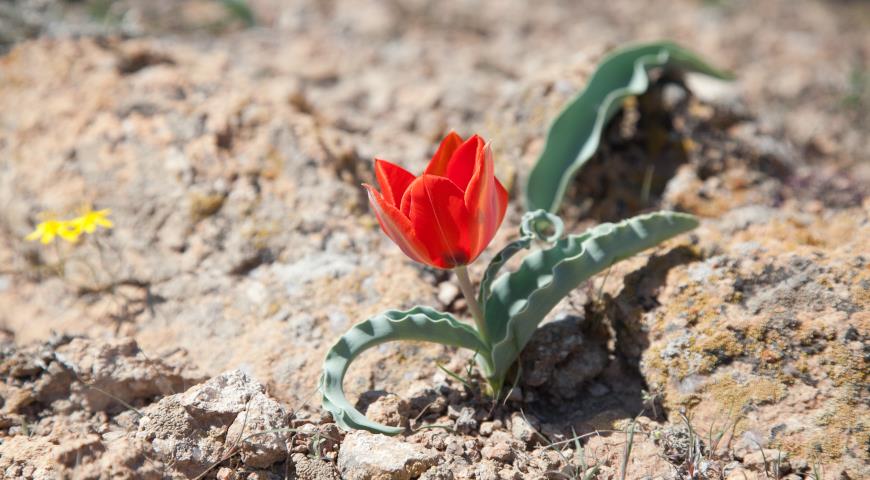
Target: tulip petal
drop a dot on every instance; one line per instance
(438, 163)
(393, 179)
(486, 199)
(462, 163)
(437, 212)
(396, 226)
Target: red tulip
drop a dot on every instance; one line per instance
(448, 215)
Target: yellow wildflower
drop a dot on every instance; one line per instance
(91, 219)
(47, 230)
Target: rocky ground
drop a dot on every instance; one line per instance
(187, 341)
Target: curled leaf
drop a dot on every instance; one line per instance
(575, 134)
(418, 323)
(533, 225)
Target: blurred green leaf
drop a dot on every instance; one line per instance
(241, 10)
(575, 134)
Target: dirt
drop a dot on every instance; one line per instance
(188, 339)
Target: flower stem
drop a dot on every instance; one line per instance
(468, 292)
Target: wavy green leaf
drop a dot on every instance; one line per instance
(497, 262)
(534, 225)
(520, 300)
(575, 134)
(419, 323)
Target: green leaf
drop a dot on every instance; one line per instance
(533, 225)
(419, 323)
(498, 261)
(520, 300)
(575, 134)
(241, 10)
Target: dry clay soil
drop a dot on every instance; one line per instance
(243, 245)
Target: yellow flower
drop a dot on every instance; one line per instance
(47, 230)
(91, 219)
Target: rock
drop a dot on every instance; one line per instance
(443, 471)
(550, 462)
(331, 436)
(486, 471)
(509, 474)
(465, 421)
(560, 358)
(225, 473)
(76, 451)
(500, 452)
(194, 429)
(179, 437)
(762, 326)
(768, 459)
(486, 428)
(390, 410)
(447, 293)
(262, 414)
(308, 468)
(523, 430)
(421, 396)
(743, 474)
(96, 375)
(395, 460)
(263, 475)
(224, 395)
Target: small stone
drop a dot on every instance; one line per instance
(741, 474)
(421, 397)
(486, 471)
(509, 474)
(673, 95)
(548, 460)
(225, 473)
(465, 422)
(262, 475)
(364, 456)
(439, 472)
(75, 450)
(331, 435)
(389, 410)
(226, 394)
(756, 460)
(500, 452)
(447, 293)
(454, 448)
(308, 468)
(523, 430)
(262, 414)
(472, 450)
(486, 428)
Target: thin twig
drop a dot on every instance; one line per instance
(601, 288)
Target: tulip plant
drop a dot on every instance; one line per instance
(445, 218)
(448, 215)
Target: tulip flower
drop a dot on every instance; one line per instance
(448, 215)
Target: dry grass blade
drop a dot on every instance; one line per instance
(627, 454)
